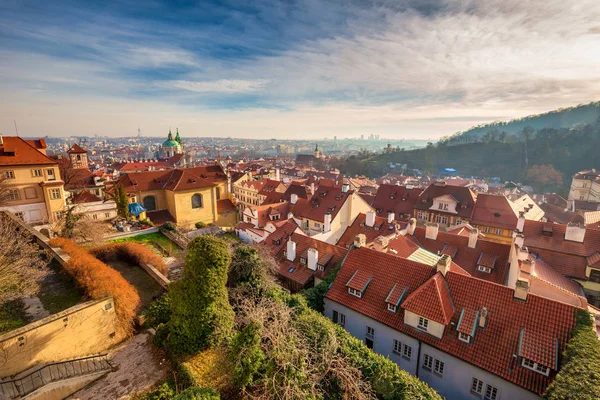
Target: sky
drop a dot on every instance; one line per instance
(291, 69)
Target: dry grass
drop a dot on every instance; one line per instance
(100, 281)
(212, 368)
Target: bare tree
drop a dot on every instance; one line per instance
(22, 262)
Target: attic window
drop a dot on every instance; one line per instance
(485, 269)
(463, 337)
(302, 260)
(496, 214)
(391, 307)
(547, 230)
(355, 293)
(320, 267)
(540, 369)
(338, 198)
(423, 323)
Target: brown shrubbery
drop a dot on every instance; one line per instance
(134, 253)
(100, 281)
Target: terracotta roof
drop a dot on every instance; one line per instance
(558, 215)
(262, 213)
(359, 280)
(85, 197)
(431, 300)
(381, 227)
(173, 180)
(463, 195)
(493, 348)
(78, 178)
(278, 238)
(224, 205)
(140, 165)
(16, 151)
(397, 199)
(494, 210)
(76, 149)
(38, 143)
(160, 217)
(468, 321)
(326, 199)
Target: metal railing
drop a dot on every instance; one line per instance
(53, 372)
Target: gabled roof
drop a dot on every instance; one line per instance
(177, 179)
(494, 210)
(85, 197)
(16, 151)
(432, 300)
(327, 199)
(381, 227)
(467, 321)
(397, 199)
(278, 238)
(76, 149)
(463, 195)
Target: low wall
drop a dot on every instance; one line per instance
(85, 329)
(162, 280)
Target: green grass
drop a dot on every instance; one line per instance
(12, 315)
(151, 239)
(59, 291)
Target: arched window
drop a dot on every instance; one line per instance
(149, 203)
(197, 201)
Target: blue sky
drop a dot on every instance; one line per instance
(310, 69)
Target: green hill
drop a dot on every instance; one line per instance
(561, 118)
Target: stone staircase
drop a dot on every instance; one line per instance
(21, 385)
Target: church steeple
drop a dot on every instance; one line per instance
(177, 137)
(317, 152)
(170, 137)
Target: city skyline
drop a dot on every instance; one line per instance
(315, 69)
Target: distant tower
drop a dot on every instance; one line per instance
(171, 146)
(317, 152)
(78, 157)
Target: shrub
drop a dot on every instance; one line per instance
(315, 295)
(201, 316)
(159, 311)
(579, 376)
(162, 332)
(168, 226)
(100, 281)
(134, 253)
(165, 391)
(146, 222)
(249, 357)
(198, 393)
(200, 225)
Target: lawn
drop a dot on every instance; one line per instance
(147, 288)
(12, 315)
(155, 240)
(59, 291)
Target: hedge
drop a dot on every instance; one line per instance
(579, 376)
(100, 281)
(198, 393)
(134, 253)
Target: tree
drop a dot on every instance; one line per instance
(201, 316)
(122, 201)
(544, 177)
(78, 227)
(22, 262)
(198, 393)
(251, 266)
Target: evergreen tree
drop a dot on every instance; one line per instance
(201, 316)
(122, 201)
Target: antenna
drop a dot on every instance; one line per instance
(139, 131)
(16, 129)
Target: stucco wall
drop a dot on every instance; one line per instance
(78, 331)
(433, 328)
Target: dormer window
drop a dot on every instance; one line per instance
(320, 268)
(391, 307)
(355, 293)
(423, 323)
(463, 337)
(482, 268)
(302, 260)
(532, 365)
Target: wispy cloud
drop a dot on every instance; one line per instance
(220, 86)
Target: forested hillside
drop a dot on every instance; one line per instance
(561, 118)
(504, 156)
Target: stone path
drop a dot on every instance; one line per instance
(34, 308)
(138, 366)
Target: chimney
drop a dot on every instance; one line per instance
(360, 240)
(522, 289)
(277, 174)
(519, 239)
(345, 187)
(381, 243)
(294, 198)
(313, 258)
(521, 221)
(290, 215)
(483, 316)
(391, 217)
(412, 225)
(370, 220)
(291, 250)
(431, 230)
(523, 254)
(312, 188)
(575, 233)
(443, 264)
(327, 222)
(1, 140)
(473, 235)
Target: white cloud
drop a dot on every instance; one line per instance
(220, 86)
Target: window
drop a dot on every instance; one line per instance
(20, 215)
(498, 231)
(407, 352)
(427, 362)
(339, 318)
(50, 173)
(302, 260)
(218, 192)
(370, 332)
(9, 174)
(95, 216)
(422, 215)
(580, 197)
(55, 194)
(397, 347)
(584, 185)
(441, 219)
(482, 268)
(355, 292)
(477, 386)
(491, 393)
(439, 367)
(197, 201)
(36, 172)
(317, 225)
(59, 214)
(391, 307)
(423, 323)
(459, 222)
(107, 215)
(532, 365)
(463, 337)
(13, 194)
(320, 267)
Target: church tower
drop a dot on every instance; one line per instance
(78, 157)
(317, 152)
(171, 146)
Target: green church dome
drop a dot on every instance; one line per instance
(170, 143)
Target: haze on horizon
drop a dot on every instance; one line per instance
(292, 69)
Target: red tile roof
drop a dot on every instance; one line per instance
(326, 199)
(38, 143)
(85, 197)
(463, 195)
(359, 280)
(431, 300)
(467, 321)
(381, 227)
(278, 238)
(16, 151)
(141, 166)
(76, 149)
(264, 212)
(494, 210)
(173, 180)
(224, 205)
(493, 348)
(397, 199)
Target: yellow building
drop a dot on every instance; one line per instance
(585, 186)
(185, 196)
(34, 190)
(254, 193)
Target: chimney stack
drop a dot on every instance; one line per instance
(360, 240)
(313, 258)
(381, 243)
(327, 222)
(294, 198)
(522, 289)
(312, 189)
(575, 233)
(291, 250)
(473, 236)
(391, 217)
(523, 253)
(345, 187)
(483, 316)
(521, 221)
(412, 225)
(431, 230)
(519, 239)
(443, 264)
(277, 174)
(370, 219)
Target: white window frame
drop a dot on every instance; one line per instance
(427, 362)
(423, 323)
(355, 293)
(9, 174)
(463, 337)
(477, 386)
(397, 347)
(55, 194)
(485, 269)
(535, 367)
(13, 194)
(438, 367)
(407, 352)
(391, 307)
(370, 334)
(499, 231)
(37, 173)
(491, 392)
